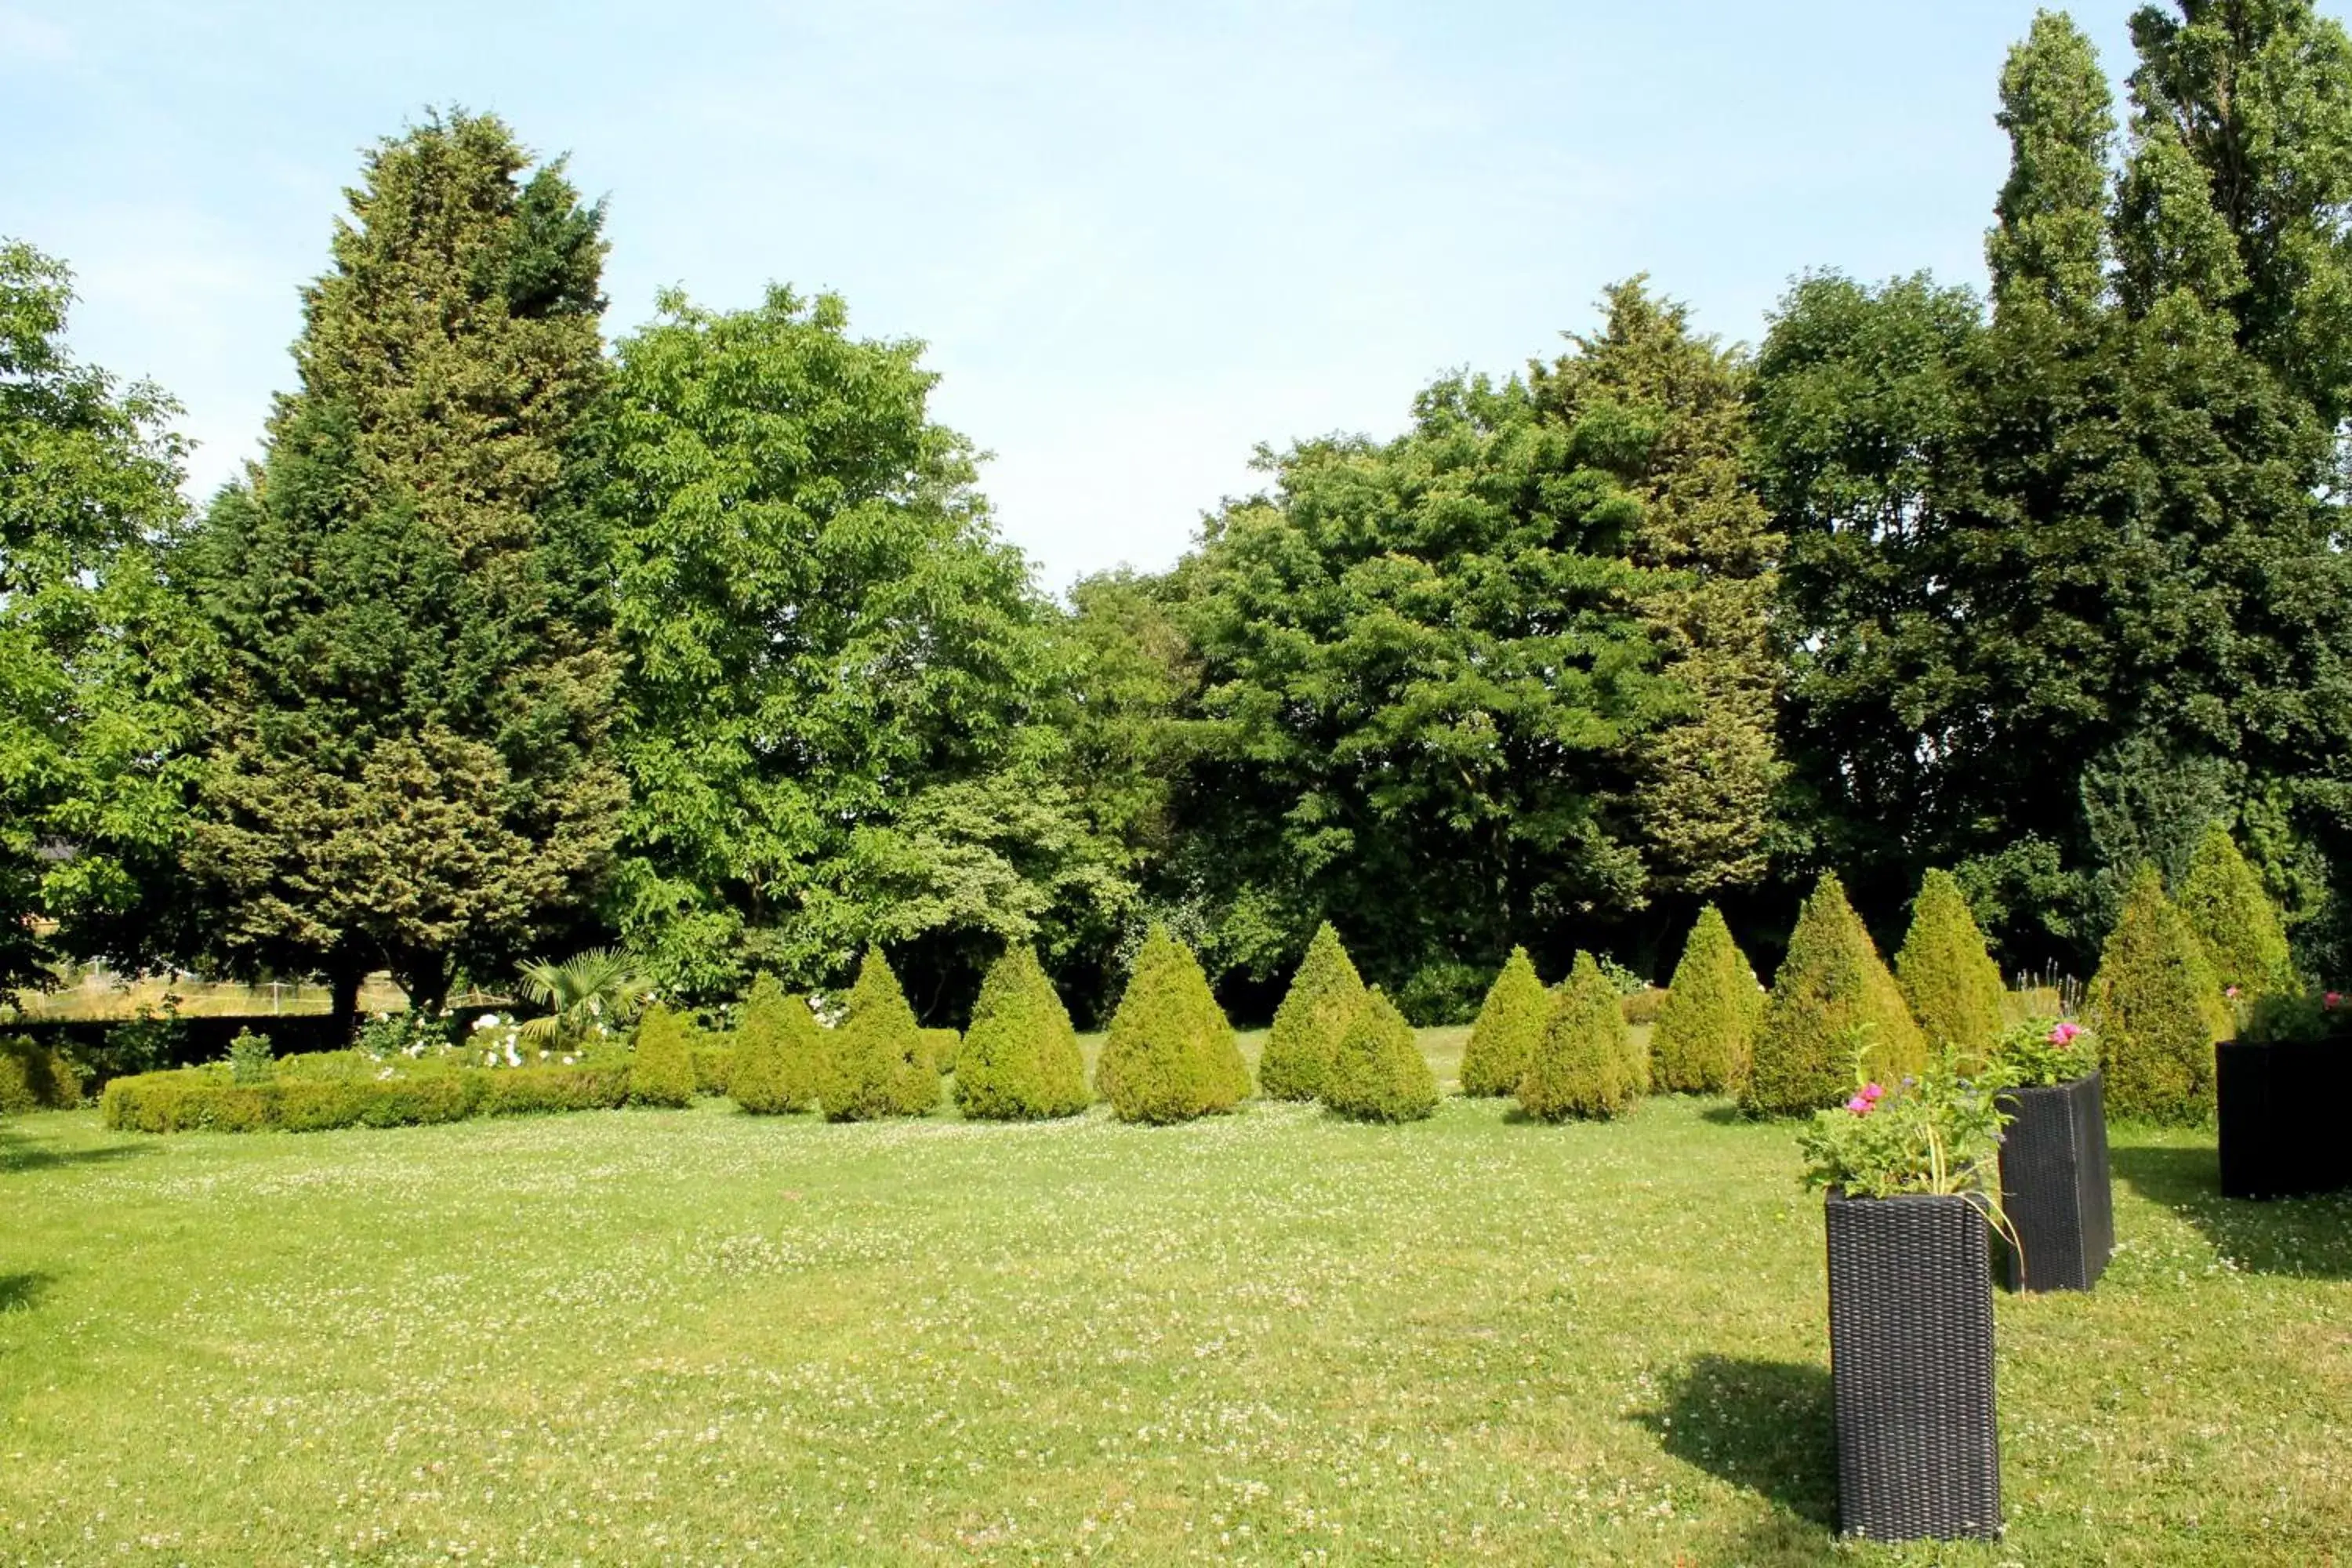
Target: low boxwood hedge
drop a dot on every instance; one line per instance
(312, 1099)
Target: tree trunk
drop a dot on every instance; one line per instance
(343, 977)
(425, 977)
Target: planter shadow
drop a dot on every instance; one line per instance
(2305, 1238)
(21, 1292)
(18, 1152)
(1766, 1427)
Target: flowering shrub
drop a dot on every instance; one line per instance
(2044, 1051)
(1936, 1132)
(2296, 1016)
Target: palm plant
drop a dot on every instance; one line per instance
(598, 988)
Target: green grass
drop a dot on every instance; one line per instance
(696, 1337)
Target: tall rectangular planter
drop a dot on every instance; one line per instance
(2054, 1186)
(1911, 1356)
(2282, 1107)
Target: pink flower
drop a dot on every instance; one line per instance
(2230, 992)
(2333, 1000)
(1858, 1105)
(1873, 1093)
(2064, 1035)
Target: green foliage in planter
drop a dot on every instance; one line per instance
(310, 1096)
(1020, 1058)
(1831, 989)
(1517, 1011)
(1581, 1066)
(1170, 1054)
(2235, 922)
(2158, 1009)
(2302, 1014)
(876, 1064)
(1377, 1073)
(941, 1048)
(1705, 1033)
(777, 1046)
(661, 1068)
(1950, 981)
(34, 1078)
(1323, 996)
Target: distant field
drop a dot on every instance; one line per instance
(698, 1337)
(110, 996)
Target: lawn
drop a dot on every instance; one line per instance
(696, 1337)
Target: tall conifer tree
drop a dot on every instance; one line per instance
(408, 765)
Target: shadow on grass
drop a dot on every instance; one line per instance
(21, 1292)
(2307, 1238)
(1766, 1427)
(18, 1152)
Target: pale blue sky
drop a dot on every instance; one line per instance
(1138, 238)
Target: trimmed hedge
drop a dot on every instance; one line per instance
(1705, 1031)
(876, 1064)
(1020, 1059)
(2235, 922)
(206, 1099)
(1950, 982)
(2157, 1010)
(1170, 1054)
(1510, 1023)
(34, 1078)
(661, 1068)
(1583, 1064)
(714, 1068)
(1832, 994)
(1315, 1013)
(778, 1046)
(1377, 1073)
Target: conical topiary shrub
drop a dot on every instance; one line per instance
(1707, 1030)
(876, 1064)
(1581, 1067)
(1517, 1011)
(1951, 983)
(1832, 994)
(1019, 1061)
(1377, 1073)
(661, 1066)
(2235, 922)
(1170, 1055)
(2157, 1009)
(778, 1046)
(1324, 996)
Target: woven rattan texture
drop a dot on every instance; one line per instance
(2281, 1105)
(2055, 1187)
(1911, 1355)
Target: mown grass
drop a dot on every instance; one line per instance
(696, 1337)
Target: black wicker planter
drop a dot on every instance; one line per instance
(1911, 1354)
(2282, 1107)
(2054, 1186)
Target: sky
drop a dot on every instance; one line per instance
(1137, 239)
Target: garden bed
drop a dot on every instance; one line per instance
(350, 1089)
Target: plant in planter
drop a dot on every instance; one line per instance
(2281, 1085)
(1909, 1212)
(2055, 1187)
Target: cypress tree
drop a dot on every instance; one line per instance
(1707, 1030)
(876, 1063)
(1511, 1020)
(2235, 921)
(1951, 983)
(1307, 1026)
(2157, 1010)
(1170, 1054)
(1020, 1058)
(777, 1048)
(1832, 992)
(661, 1068)
(409, 763)
(1377, 1073)
(1580, 1067)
